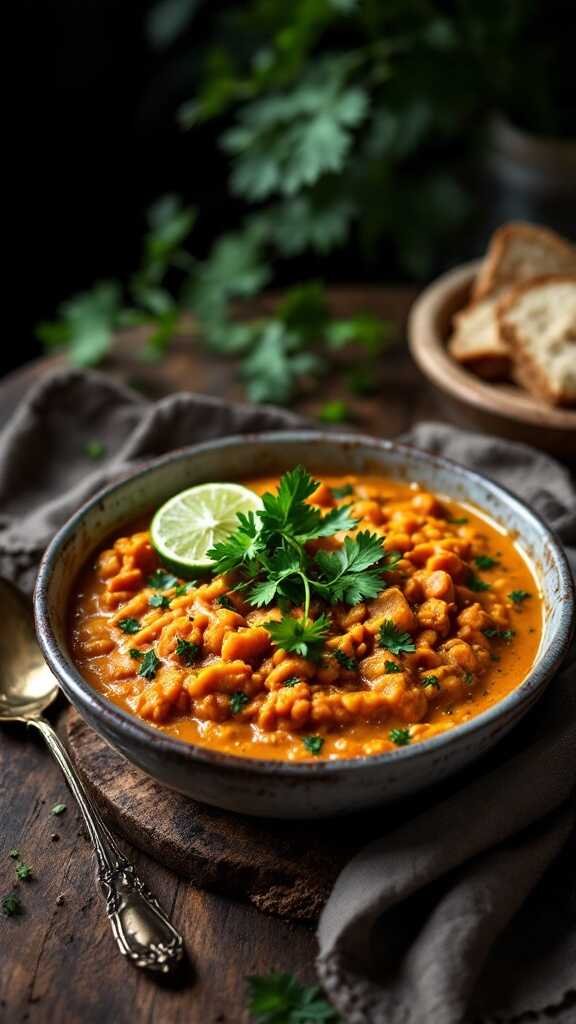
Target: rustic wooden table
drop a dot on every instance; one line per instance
(58, 961)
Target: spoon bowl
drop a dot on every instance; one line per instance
(27, 687)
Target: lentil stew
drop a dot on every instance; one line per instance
(454, 627)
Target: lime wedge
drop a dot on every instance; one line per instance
(190, 523)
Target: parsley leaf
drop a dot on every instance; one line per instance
(11, 905)
(158, 601)
(58, 809)
(430, 681)
(476, 584)
(149, 665)
(354, 571)
(500, 634)
(313, 744)
(392, 666)
(518, 596)
(240, 548)
(401, 737)
(342, 492)
(291, 681)
(129, 625)
(136, 654)
(23, 871)
(350, 664)
(485, 562)
(300, 636)
(281, 999)
(394, 639)
(15, 854)
(187, 651)
(161, 580)
(238, 701)
(469, 678)
(184, 588)
(225, 602)
(458, 520)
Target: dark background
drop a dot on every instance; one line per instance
(95, 143)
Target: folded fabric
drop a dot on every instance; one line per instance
(465, 913)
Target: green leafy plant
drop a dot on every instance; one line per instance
(268, 554)
(281, 999)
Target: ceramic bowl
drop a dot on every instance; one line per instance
(494, 408)
(272, 788)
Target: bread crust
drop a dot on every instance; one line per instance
(526, 371)
(487, 277)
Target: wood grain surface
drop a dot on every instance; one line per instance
(282, 867)
(58, 961)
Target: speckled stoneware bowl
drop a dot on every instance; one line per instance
(272, 788)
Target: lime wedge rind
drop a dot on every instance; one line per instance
(190, 523)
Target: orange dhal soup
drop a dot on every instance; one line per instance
(454, 628)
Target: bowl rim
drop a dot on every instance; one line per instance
(430, 354)
(115, 718)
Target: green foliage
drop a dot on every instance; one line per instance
(394, 639)
(281, 999)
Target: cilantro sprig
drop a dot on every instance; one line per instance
(281, 999)
(394, 639)
(269, 553)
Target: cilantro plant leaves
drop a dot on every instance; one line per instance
(281, 999)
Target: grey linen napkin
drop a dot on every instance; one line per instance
(467, 911)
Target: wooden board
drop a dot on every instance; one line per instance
(282, 867)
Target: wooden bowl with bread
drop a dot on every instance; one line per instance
(497, 338)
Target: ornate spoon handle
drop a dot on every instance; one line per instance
(140, 926)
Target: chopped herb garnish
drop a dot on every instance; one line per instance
(518, 596)
(430, 681)
(58, 809)
(280, 999)
(300, 636)
(149, 665)
(238, 701)
(347, 662)
(500, 634)
(468, 678)
(129, 625)
(476, 584)
(11, 905)
(136, 654)
(187, 651)
(342, 492)
(392, 666)
(15, 854)
(401, 737)
(158, 601)
(291, 681)
(161, 580)
(485, 562)
(268, 551)
(495, 657)
(94, 449)
(394, 640)
(225, 602)
(184, 588)
(313, 744)
(24, 872)
(458, 520)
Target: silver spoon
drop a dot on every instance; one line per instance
(141, 929)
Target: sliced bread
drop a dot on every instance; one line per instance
(519, 252)
(476, 341)
(537, 319)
